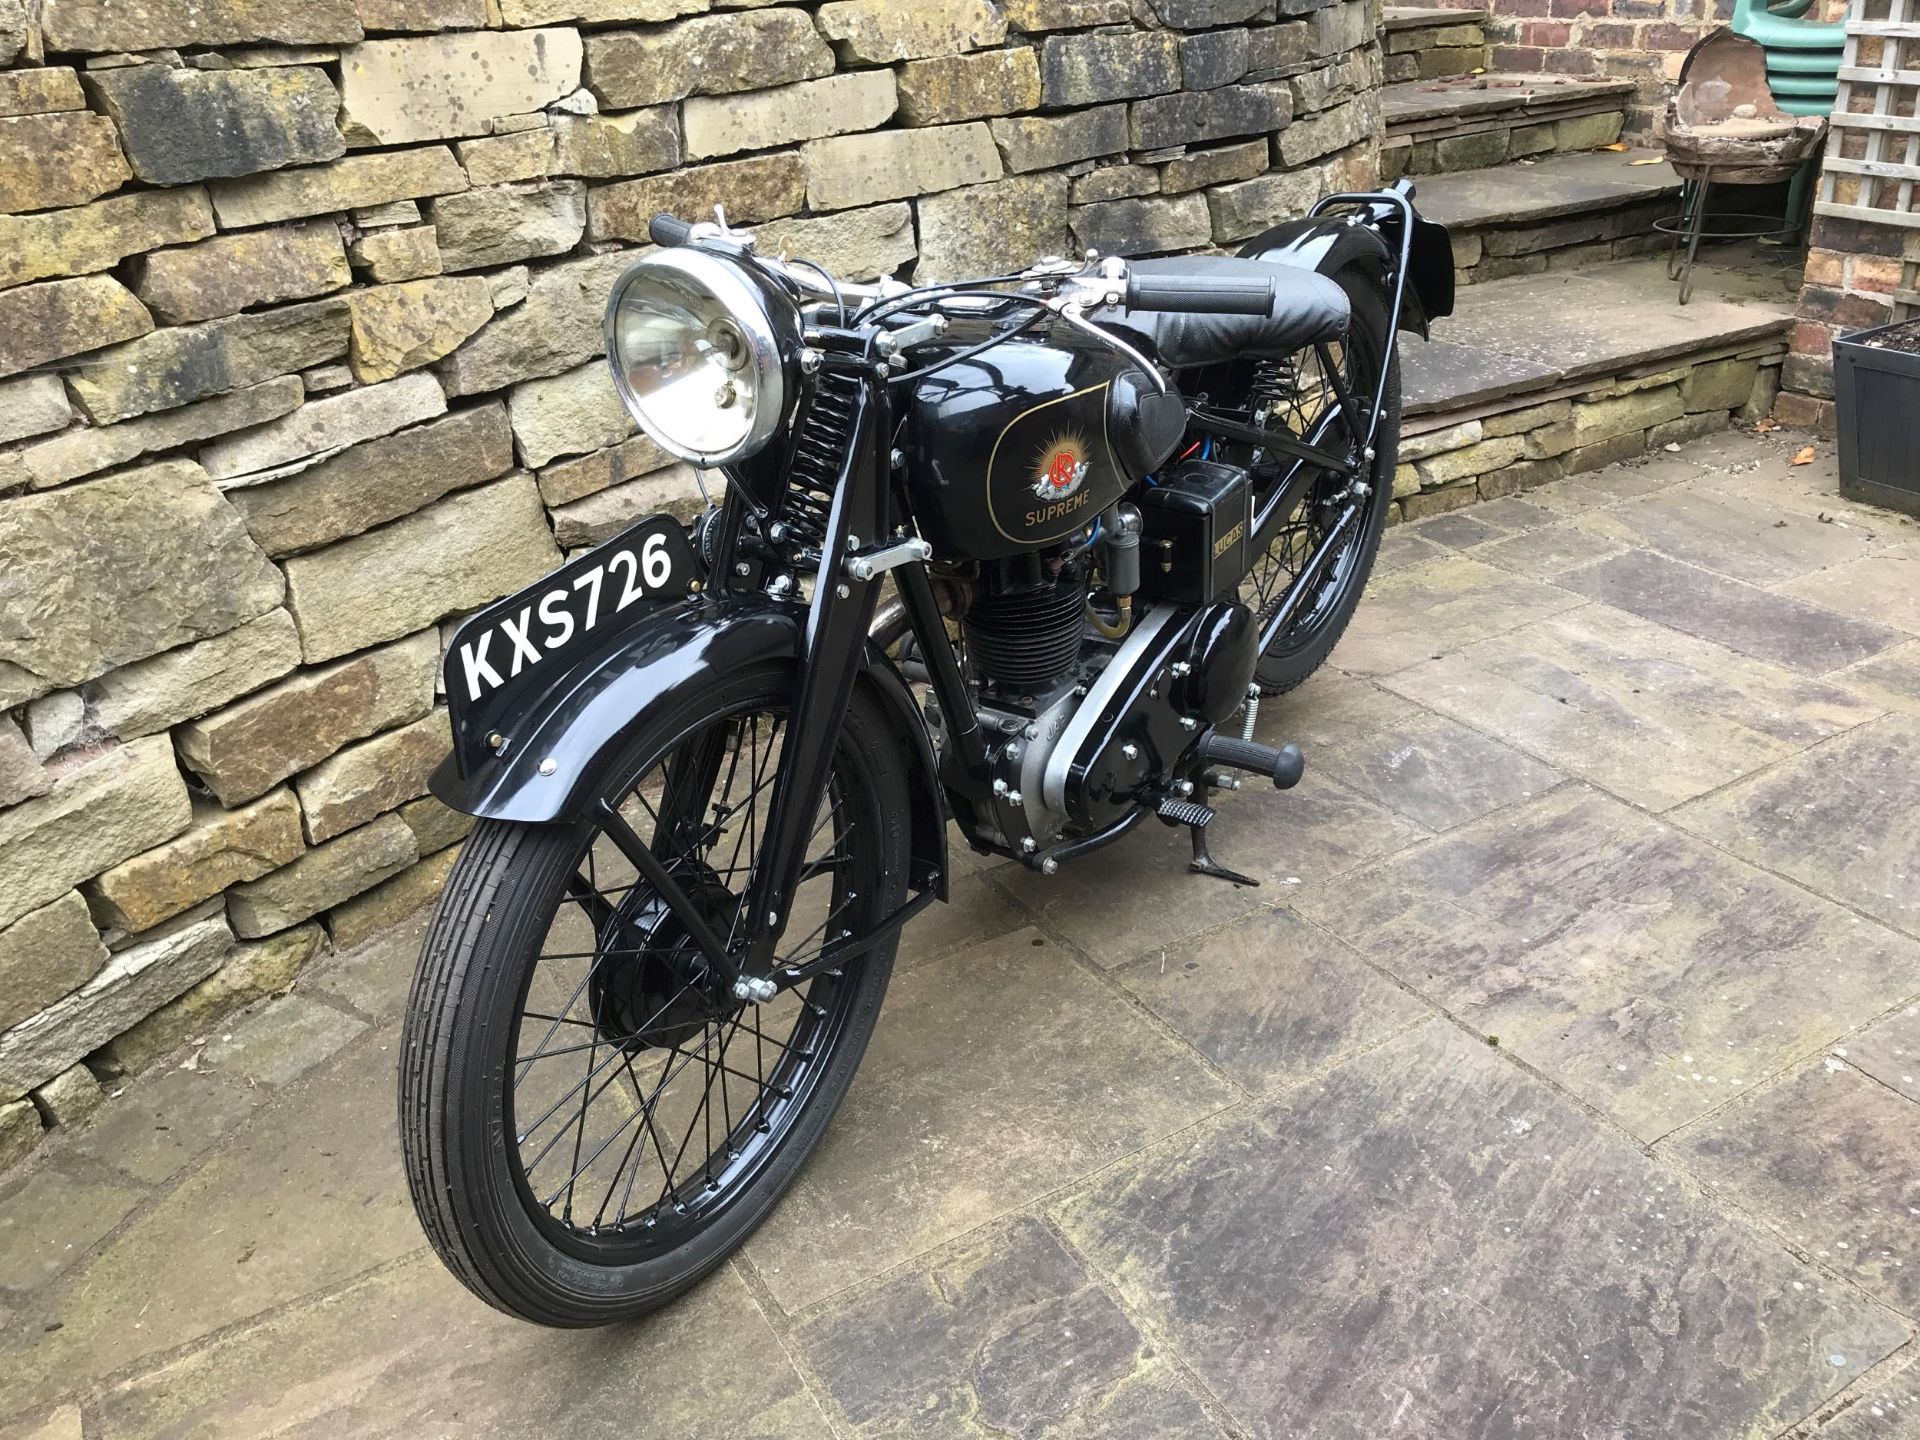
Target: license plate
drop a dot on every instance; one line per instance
(524, 642)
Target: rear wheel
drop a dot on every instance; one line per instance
(1299, 392)
(591, 1121)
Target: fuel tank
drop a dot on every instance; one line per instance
(1023, 445)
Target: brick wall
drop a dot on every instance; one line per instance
(299, 361)
(1639, 40)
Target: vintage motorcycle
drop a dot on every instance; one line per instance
(714, 765)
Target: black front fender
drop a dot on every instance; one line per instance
(567, 736)
(1327, 243)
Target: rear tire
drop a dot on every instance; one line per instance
(1305, 646)
(490, 976)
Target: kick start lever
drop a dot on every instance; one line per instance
(1283, 765)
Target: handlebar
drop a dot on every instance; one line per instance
(1199, 294)
(668, 230)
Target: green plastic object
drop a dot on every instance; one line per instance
(1803, 56)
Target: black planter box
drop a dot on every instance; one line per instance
(1876, 396)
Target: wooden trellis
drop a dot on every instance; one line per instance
(1873, 150)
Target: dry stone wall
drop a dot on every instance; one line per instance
(300, 343)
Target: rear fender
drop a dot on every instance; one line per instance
(1329, 243)
(568, 737)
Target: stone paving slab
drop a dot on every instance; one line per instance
(408, 1351)
(1649, 714)
(1008, 1336)
(1881, 588)
(1546, 189)
(1758, 622)
(1733, 536)
(1841, 818)
(1430, 1242)
(1478, 94)
(1890, 1051)
(1889, 1410)
(951, 1122)
(1440, 606)
(1649, 973)
(1445, 375)
(1826, 1158)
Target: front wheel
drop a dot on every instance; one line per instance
(591, 1122)
(1298, 393)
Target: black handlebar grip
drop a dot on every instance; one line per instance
(1284, 765)
(1200, 294)
(668, 230)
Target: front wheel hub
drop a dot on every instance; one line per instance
(651, 988)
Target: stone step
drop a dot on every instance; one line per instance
(1548, 375)
(1562, 210)
(1435, 127)
(1426, 43)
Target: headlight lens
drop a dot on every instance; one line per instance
(695, 356)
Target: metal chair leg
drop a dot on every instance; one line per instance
(1698, 224)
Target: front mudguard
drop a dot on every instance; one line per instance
(567, 737)
(1328, 243)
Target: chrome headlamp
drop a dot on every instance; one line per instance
(697, 355)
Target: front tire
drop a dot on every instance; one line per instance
(590, 1125)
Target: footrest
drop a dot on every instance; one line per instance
(1185, 812)
(1284, 765)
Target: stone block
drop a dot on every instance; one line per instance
(1115, 182)
(22, 776)
(70, 1097)
(601, 12)
(1045, 142)
(601, 516)
(1531, 417)
(330, 423)
(1103, 66)
(1034, 16)
(1340, 28)
(377, 481)
(55, 722)
(45, 954)
(1471, 460)
(433, 87)
(1205, 14)
(245, 750)
(1193, 117)
(1470, 152)
(152, 695)
(391, 901)
(417, 15)
(1606, 452)
(983, 229)
(1434, 442)
(84, 451)
(43, 323)
(851, 170)
(953, 88)
(132, 984)
(182, 125)
(1597, 420)
(1148, 226)
(103, 26)
(40, 92)
(251, 972)
(175, 366)
(881, 32)
(1220, 166)
(805, 110)
(1273, 50)
(708, 55)
(67, 158)
(434, 826)
(355, 182)
(99, 236)
(499, 159)
(1519, 476)
(1214, 58)
(852, 244)
(765, 187)
(1245, 209)
(1687, 427)
(324, 877)
(567, 414)
(120, 568)
(604, 147)
(1313, 136)
(558, 326)
(20, 1128)
(1719, 385)
(1406, 481)
(33, 405)
(1446, 498)
(575, 479)
(457, 554)
(231, 273)
(391, 256)
(499, 224)
(397, 328)
(372, 777)
(1587, 132)
(220, 848)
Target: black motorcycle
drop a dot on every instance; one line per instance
(1008, 552)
